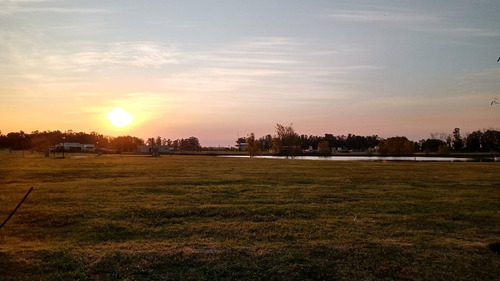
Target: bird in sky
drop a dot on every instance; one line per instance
(494, 101)
(498, 59)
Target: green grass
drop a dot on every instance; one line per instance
(214, 218)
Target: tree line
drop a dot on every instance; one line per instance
(285, 141)
(189, 144)
(288, 143)
(43, 141)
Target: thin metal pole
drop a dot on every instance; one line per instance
(18, 205)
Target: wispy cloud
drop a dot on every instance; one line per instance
(271, 43)
(172, 24)
(261, 68)
(216, 79)
(258, 51)
(123, 54)
(10, 7)
(244, 59)
(93, 57)
(484, 80)
(235, 66)
(453, 29)
(258, 64)
(62, 10)
(383, 15)
(435, 21)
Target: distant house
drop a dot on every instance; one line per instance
(74, 147)
(310, 149)
(242, 146)
(149, 149)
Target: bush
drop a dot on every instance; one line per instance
(396, 146)
(324, 148)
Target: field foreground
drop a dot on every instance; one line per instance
(214, 218)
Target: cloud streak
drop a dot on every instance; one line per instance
(26, 54)
(123, 54)
(383, 16)
(11, 7)
(261, 64)
(435, 22)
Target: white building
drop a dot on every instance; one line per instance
(149, 149)
(242, 146)
(74, 146)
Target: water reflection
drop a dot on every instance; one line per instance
(365, 158)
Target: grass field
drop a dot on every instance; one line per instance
(213, 218)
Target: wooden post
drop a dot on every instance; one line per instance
(17, 207)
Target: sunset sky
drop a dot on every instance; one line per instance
(219, 69)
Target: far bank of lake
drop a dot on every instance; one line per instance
(375, 158)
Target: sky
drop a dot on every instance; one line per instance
(219, 69)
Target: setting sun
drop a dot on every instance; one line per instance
(119, 117)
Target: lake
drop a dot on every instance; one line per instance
(366, 158)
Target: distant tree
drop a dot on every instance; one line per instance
(396, 146)
(240, 143)
(490, 140)
(151, 142)
(40, 141)
(361, 143)
(310, 141)
(304, 141)
(314, 141)
(433, 146)
(277, 145)
(100, 140)
(473, 141)
(351, 142)
(183, 145)
(331, 140)
(266, 142)
(289, 139)
(372, 141)
(126, 143)
(3, 140)
(84, 138)
(443, 149)
(18, 140)
(253, 146)
(341, 141)
(457, 142)
(158, 141)
(446, 138)
(195, 143)
(175, 144)
(324, 148)
(69, 136)
(189, 144)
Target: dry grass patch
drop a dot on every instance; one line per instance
(211, 218)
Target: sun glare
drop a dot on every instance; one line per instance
(119, 117)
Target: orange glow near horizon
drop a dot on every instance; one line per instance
(119, 117)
